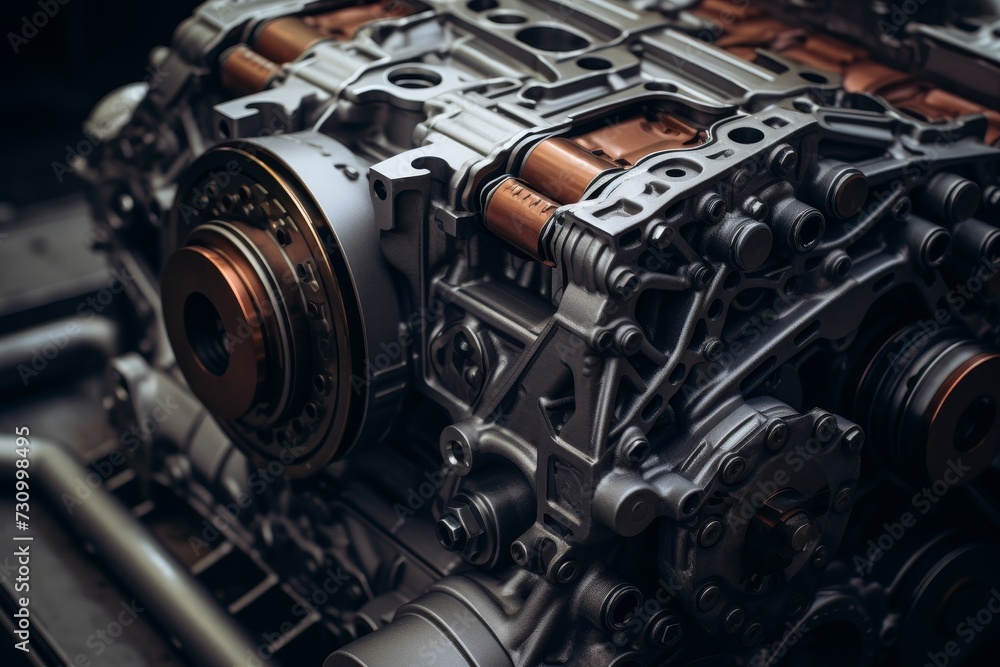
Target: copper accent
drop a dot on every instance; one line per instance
(630, 140)
(284, 39)
(344, 23)
(748, 29)
(952, 421)
(518, 215)
(222, 319)
(244, 71)
(562, 169)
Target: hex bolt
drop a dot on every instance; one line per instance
(842, 502)
(710, 533)
(825, 429)
(661, 236)
(734, 620)
(854, 439)
(667, 632)
(708, 597)
(756, 209)
(450, 533)
(733, 469)
(784, 159)
(712, 208)
(777, 435)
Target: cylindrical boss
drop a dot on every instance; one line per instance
(285, 39)
(436, 629)
(563, 169)
(244, 71)
(518, 214)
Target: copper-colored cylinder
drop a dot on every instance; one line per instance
(518, 215)
(244, 71)
(285, 39)
(563, 169)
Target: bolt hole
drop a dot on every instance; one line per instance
(206, 333)
(594, 63)
(813, 77)
(414, 78)
(283, 237)
(746, 135)
(380, 190)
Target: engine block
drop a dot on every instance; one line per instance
(576, 333)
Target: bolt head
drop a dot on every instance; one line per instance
(667, 632)
(826, 428)
(450, 533)
(733, 469)
(753, 634)
(710, 533)
(567, 572)
(842, 502)
(625, 283)
(661, 236)
(708, 597)
(785, 160)
(854, 439)
(777, 435)
(734, 619)
(636, 451)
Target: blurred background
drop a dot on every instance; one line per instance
(83, 51)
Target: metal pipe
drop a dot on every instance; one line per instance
(204, 630)
(50, 350)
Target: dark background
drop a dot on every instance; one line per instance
(87, 49)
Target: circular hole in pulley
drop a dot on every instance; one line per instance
(206, 333)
